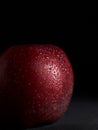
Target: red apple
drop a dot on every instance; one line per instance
(36, 84)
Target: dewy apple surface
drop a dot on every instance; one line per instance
(38, 84)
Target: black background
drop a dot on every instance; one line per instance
(75, 32)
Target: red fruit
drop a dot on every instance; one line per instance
(36, 84)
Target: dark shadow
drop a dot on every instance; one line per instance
(10, 127)
(42, 127)
(60, 127)
(66, 127)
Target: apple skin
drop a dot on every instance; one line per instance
(36, 84)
